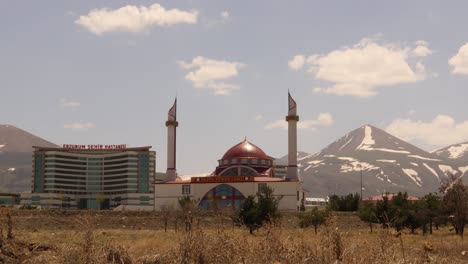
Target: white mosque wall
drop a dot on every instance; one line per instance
(170, 193)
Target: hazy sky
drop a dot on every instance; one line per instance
(107, 72)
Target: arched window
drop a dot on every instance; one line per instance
(230, 172)
(239, 171)
(222, 197)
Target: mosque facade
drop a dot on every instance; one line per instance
(241, 172)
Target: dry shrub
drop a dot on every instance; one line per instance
(273, 243)
(88, 251)
(269, 245)
(116, 254)
(17, 251)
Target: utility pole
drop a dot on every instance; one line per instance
(361, 184)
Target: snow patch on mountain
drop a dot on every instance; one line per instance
(347, 142)
(457, 150)
(356, 165)
(392, 150)
(11, 169)
(463, 169)
(423, 158)
(414, 164)
(431, 170)
(314, 162)
(367, 141)
(413, 175)
(447, 169)
(386, 160)
(347, 158)
(305, 157)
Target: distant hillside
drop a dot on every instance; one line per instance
(13, 139)
(284, 160)
(15, 158)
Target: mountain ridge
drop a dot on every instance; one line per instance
(388, 164)
(13, 139)
(457, 151)
(15, 158)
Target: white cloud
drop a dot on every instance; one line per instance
(212, 74)
(323, 120)
(460, 60)
(79, 126)
(225, 15)
(443, 130)
(360, 70)
(258, 117)
(297, 62)
(280, 123)
(69, 103)
(422, 49)
(134, 19)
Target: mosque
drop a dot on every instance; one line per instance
(242, 171)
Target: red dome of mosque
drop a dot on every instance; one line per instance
(245, 149)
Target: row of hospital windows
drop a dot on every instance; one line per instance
(90, 168)
(80, 188)
(130, 170)
(100, 164)
(97, 159)
(64, 181)
(66, 177)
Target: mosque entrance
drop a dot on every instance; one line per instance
(222, 197)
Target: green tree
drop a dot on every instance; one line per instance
(399, 212)
(268, 204)
(347, 203)
(256, 211)
(433, 207)
(368, 214)
(248, 214)
(314, 218)
(417, 216)
(455, 202)
(382, 209)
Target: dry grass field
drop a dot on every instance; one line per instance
(125, 237)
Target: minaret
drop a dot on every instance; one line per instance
(171, 123)
(292, 120)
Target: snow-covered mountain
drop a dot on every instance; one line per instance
(456, 151)
(388, 164)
